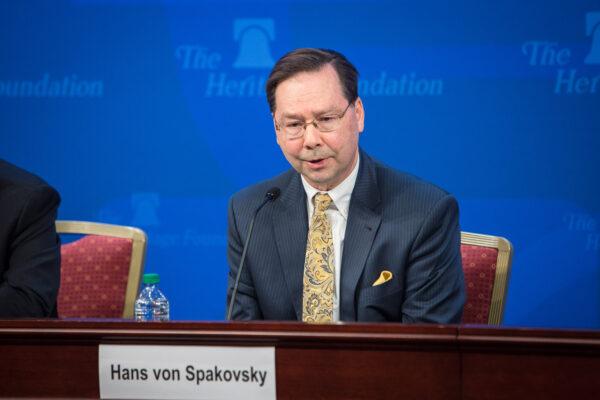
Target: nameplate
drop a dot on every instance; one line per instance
(186, 372)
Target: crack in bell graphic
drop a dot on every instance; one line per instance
(254, 36)
(592, 28)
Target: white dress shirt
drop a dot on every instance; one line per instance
(338, 217)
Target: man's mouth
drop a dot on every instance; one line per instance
(316, 163)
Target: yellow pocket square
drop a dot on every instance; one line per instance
(383, 278)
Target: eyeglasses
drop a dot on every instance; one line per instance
(294, 129)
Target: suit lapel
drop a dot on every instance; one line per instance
(290, 222)
(363, 222)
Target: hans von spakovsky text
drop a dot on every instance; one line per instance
(190, 374)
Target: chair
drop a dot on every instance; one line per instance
(486, 265)
(100, 272)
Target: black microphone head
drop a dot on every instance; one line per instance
(273, 193)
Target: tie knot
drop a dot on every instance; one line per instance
(322, 202)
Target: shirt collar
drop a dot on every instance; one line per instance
(340, 194)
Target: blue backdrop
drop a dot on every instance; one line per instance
(152, 113)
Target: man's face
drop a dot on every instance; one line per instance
(325, 159)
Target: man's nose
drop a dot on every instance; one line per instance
(312, 136)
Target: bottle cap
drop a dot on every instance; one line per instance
(151, 278)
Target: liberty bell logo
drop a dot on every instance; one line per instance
(592, 28)
(254, 36)
(145, 207)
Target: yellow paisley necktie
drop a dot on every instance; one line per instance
(319, 284)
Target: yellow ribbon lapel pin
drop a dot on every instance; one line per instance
(383, 278)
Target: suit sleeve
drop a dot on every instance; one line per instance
(434, 281)
(30, 284)
(246, 306)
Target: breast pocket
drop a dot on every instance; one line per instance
(380, 303)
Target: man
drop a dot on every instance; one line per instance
(348, 239)
(29, 245)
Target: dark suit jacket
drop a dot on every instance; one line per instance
(29, 245)
(396, 222)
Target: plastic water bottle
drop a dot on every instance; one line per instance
(151, 304)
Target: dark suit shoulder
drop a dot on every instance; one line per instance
(255, 194)
(398, 181)
(14, 179)
(405, 192)
(20, 189)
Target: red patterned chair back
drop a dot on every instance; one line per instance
(486, 265)
(100, 272)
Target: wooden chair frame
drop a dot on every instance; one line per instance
(138, 251)
(503, 266)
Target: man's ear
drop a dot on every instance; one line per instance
(275, 129)
(359, 112)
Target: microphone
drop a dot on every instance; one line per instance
(271, 195)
